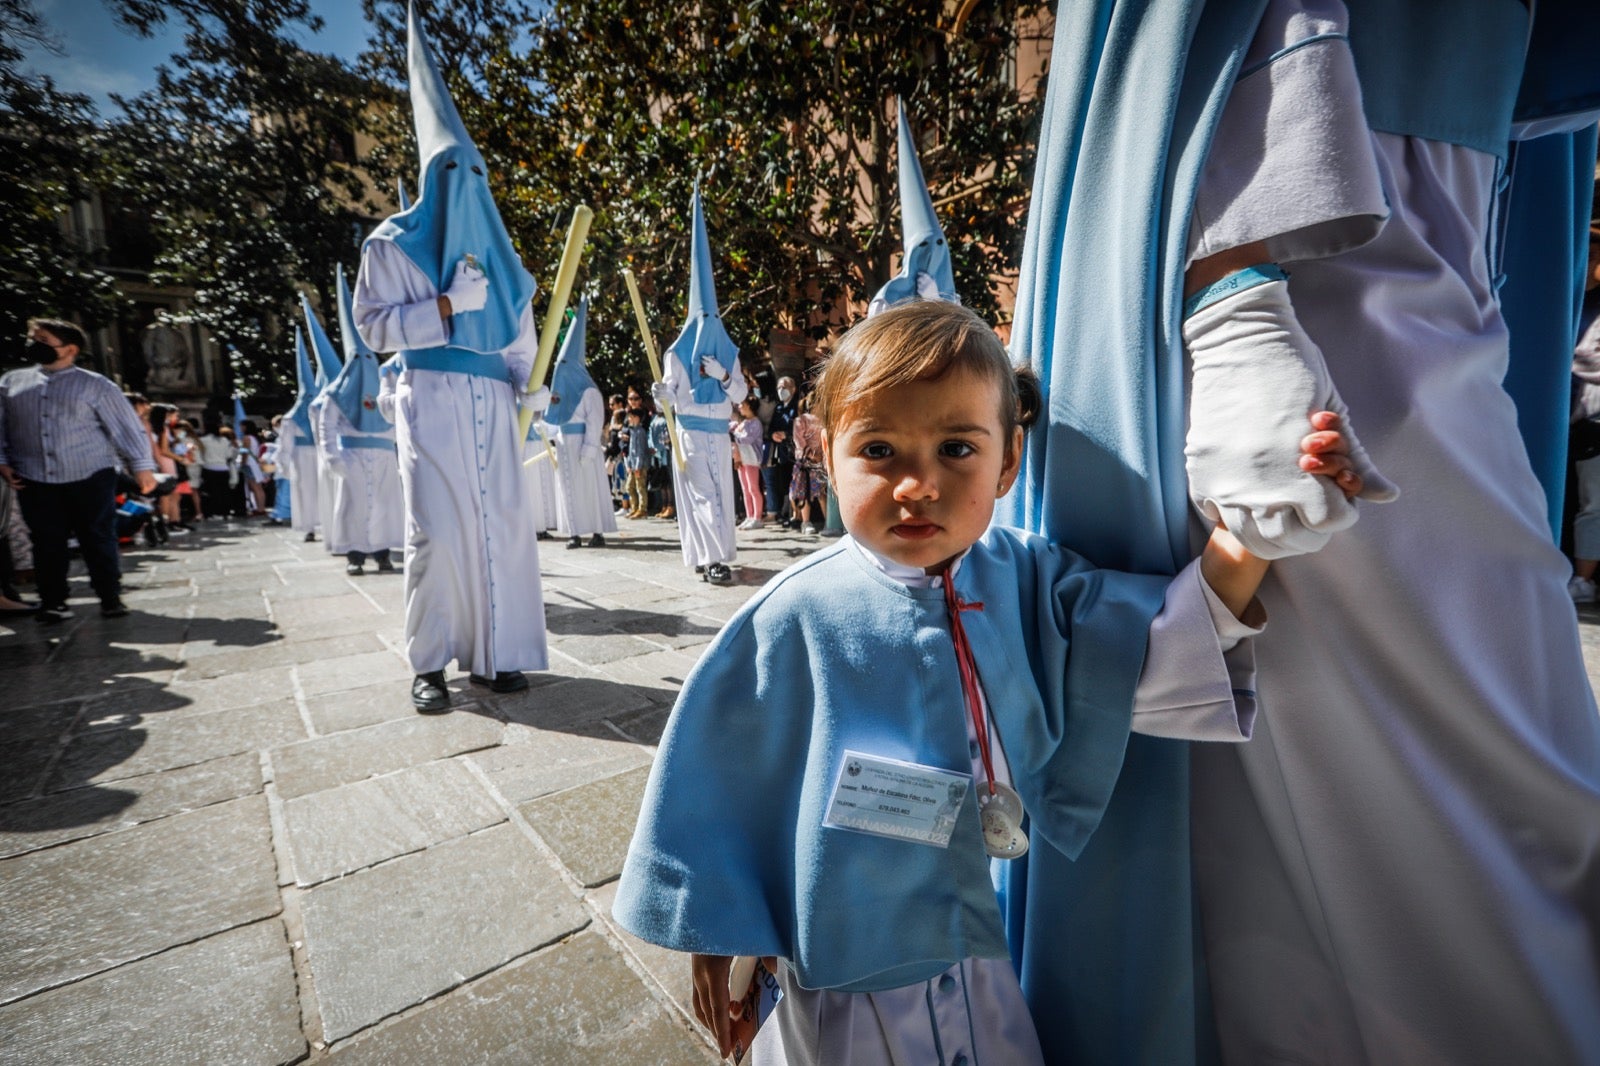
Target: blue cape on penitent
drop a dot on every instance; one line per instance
(1107, 946)
(355, 390)
(571, 379)
(703, 333)
(305, 383)
(922, 238)
(454, 215)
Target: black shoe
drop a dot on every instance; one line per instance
(503, 681)
(719, 574)
(541, 535)
(428, 693)
(113, 609)
(49, 616)
(597, 541)
(353, 569)
(385, 566)
(699, 569)
(575, 542)
(311, 538)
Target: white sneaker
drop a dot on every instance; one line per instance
(752, 523)
(808, 530)
(1581, 589)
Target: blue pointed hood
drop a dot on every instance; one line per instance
(922, 238)
(703, 333)
(400, 190)
(454, 215)
(571, 377)
(305, 382)
(355, 390)
(323, 357)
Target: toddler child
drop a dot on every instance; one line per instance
(747, 433)
(871, 728)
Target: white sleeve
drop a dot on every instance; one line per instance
(520, 355)
(388, 379)
(1292, 162)
(394, 305)
(330, 421)
(1198, 681)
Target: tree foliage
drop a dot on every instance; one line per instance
(243, 155)
(783, 109)
(47, 162)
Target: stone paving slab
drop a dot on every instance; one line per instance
(668, 969)
(572, 703)
(602, 648)
(323, 610)
(325, 762)
(213, 694)
(280, 652)
(589, 826)
(340, 830)
(158, 742)
(392, 936)
(72, 911)
(84, 812)
(575, 1002)
(343, 672)
(536, 762)
(229, 998)
(356, 708)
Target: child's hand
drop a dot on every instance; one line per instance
(1326, 453)
(711, 1003)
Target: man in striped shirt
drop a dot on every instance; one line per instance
(62, 430)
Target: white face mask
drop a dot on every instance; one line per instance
(784, 394)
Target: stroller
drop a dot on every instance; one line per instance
(137, 514)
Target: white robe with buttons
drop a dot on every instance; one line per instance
(367, 510)
(703, 488)
(472, 561)
(583, 501)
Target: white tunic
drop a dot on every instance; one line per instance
(584, 503)
(472, 561)
(298, 458)
(328, 488)
(974, 1011)
(367, 512)
(703, 488)
(1404, 864)
(538, 475)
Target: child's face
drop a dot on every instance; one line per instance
(917, 468)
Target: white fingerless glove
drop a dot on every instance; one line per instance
(469, 289)
(1257, 379)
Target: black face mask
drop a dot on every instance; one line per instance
(42, 353)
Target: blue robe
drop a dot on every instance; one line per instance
(730, 856)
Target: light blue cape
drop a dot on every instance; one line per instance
(454, 215)
(703, 333)
(355, 389)
(571, 377)
(921, 236)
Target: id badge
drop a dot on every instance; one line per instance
(887, 797)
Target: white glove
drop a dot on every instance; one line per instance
(661, 393)
(1257, 379)
(589, 453)
(713, 369)
(539, 401)
(469, 289)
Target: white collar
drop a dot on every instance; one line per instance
(910, 576)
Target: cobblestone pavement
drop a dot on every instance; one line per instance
(226, 838)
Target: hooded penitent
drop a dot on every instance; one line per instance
(305, 384)
(454, 215)
(323, 356)
(571, 378)
(922, 238)
(355, 390)
(702, 333)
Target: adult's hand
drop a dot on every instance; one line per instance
(469, 289)
(146, 480)
(11, 477)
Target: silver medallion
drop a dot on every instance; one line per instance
(1001, 816)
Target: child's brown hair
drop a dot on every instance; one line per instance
(921, 341)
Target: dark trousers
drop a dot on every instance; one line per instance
(86, 509)
(216, 495)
